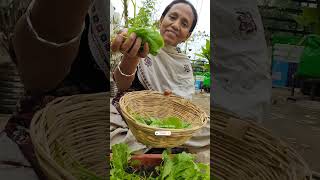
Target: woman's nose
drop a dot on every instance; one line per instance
(175, 25)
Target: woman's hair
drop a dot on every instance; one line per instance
(195, 14)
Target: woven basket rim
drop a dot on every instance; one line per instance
(40, 149)
(51, 167)
(258, 127)
(132, 119)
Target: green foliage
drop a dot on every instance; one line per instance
(119, 163)
(143, 18)
(151, 36)
(205, 51)
(168, 122)
(310, 18)
(182, 166)
(145, 28)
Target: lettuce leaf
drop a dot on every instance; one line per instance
(149, 35)
(182, 166)
(168, 122)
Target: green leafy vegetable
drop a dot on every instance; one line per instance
(119, 163)
(182, 166)
(169, 122)
(150, 35)
(144, 28)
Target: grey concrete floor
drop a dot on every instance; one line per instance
(297, 123)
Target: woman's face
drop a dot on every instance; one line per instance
(175, 26)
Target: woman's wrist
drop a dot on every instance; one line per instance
(128, 65)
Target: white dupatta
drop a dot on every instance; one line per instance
(169, 70)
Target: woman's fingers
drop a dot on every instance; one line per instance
(135, 48)
(129, 42)
(129, 45)
(118, 40)
(145, 51)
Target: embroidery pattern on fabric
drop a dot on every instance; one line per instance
(147, 61)
(247, 24)
(100, 37)
(187, 68)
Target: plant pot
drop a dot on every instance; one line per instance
(148, 160)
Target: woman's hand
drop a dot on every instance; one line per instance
(129, 46)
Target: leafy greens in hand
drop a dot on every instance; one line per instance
(142, 25)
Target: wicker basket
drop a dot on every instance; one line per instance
(155, 104)
(242, 150)
(70, 131)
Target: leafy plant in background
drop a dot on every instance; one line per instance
(310, 18)
(205, 53)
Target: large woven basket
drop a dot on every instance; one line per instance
(72, 131)
(156, 104)
(242, 150)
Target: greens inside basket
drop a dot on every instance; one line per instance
(170, 122)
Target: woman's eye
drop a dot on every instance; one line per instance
(184, 24)
(172, 17)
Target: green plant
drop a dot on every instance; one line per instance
(205, 51)
(145, 28)
(182, 166)
(310, 18)
(121, 155)
(179, 166)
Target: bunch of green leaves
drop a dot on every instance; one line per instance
(145, 28)
(168, 122)
(182, 166)
(121, 156)
(121, 162)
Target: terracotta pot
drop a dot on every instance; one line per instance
(148, 160)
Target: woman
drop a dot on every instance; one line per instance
(168, 70)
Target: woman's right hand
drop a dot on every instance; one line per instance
(129, 46)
